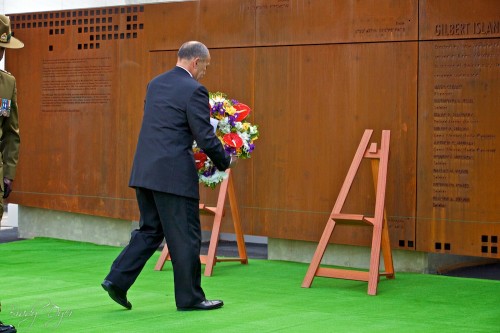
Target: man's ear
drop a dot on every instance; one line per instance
(195, 62)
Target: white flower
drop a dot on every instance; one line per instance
(215, 179)
(216, 99)
(244, 136)
(224, 125)
(246, 147)
(239, 126)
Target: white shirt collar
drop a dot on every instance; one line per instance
(185, 70)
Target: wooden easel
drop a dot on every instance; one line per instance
(380, 238)
(226, 187)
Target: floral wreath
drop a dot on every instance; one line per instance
(228, 116)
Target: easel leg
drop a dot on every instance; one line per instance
(240, 239)
(212, 248)
(163, 257)
(318, 255)
(214, 238)
(386, 250)
(373, 275)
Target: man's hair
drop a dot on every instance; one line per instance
(193, 49)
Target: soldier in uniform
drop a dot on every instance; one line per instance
(9, 126)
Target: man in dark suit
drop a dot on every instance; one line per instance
(176, 112)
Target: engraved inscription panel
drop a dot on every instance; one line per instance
(69, 85)
(80, 101)
(282, 22)
(450, 19)
(458, 170)
(289, 22)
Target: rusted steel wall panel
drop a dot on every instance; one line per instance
(458, 128)
(316, 74)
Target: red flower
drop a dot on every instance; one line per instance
(242, 111)
(233, 140)
(199, 159)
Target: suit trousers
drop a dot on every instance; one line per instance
(175, 218)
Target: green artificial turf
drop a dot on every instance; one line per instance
(49, 285)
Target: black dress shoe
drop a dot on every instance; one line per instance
(116, 294)
(7, 328)
(205, 305)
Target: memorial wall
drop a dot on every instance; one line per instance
(316, 75)
(459, 128)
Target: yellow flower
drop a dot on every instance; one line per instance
(230, 110)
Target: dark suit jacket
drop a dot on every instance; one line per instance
(176, 112)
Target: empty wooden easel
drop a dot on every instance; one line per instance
(226, 188)
(380, 237)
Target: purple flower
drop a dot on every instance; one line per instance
(230, 150)
(209, 172)
(218, 108)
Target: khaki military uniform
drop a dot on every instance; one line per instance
(9, 129)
